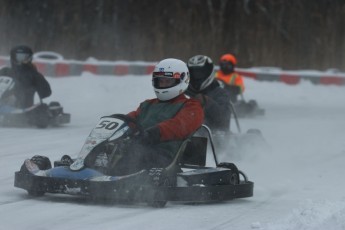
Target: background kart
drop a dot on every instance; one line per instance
(40, 115)
(83, 176)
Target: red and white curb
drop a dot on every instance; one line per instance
(64, 68)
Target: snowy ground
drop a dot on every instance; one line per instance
(298, 182)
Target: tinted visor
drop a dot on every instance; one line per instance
(226, 64)
(164, 80)
(22, 57)
(197, 73)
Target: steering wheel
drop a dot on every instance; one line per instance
(129, 120)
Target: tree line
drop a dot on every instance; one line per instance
(290, 34)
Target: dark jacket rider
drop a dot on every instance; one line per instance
(27, 80)
(203, 86)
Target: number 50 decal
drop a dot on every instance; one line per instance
(109, 125)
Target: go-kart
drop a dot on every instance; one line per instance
(186, 178)
(40, 115)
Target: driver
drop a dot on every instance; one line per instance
(27, 80)
(215, 100)
(166, 121)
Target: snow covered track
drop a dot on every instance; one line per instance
(297, 184)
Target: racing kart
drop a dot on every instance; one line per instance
(185, 179)
(40, 115)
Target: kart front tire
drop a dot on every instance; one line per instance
(42, 162)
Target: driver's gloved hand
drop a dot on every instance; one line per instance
(150, 136)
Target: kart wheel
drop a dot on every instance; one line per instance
(234, 174)
(66, 160)
(253, 103)
(42, 162)
(54, 103)
(42, 117)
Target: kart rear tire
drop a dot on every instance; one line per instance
(253, 103)
(42, 122)
(54, 103)
(42, 117)
(234, 176)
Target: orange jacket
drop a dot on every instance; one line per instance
(231, 79)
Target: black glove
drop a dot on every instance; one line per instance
(150, 136)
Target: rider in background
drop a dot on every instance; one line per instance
(27, 80)
(232, 81)
(204, 87)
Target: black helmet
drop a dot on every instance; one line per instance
(21, 55)
(201, 72)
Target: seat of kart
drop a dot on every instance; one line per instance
(192, 152)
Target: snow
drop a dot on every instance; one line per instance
(298, 181)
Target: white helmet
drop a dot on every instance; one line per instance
(170, 78)
(201, 72)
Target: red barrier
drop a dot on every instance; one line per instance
(121, 70)
(247, 74)
(92, 68)
(41, 67)
(2, 62)
(290, 79)
(332, 80)
(75, 68)
(149, 69)
(62, 69)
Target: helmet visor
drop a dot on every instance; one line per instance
(226, 66)
(197, 73)
(164, 80)
(22, 57)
